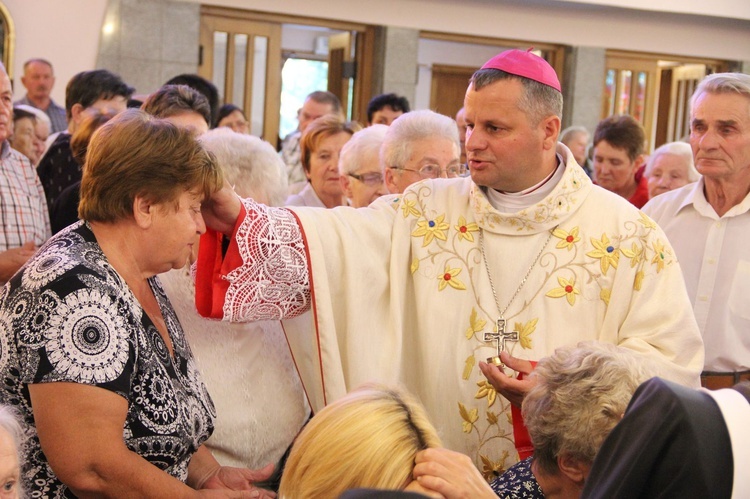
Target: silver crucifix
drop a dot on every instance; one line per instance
(500, 336)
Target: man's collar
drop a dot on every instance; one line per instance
(697, 198)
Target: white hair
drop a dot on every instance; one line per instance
(411, 127)
(361, 148)
(722, 83)
(679, 149)
(38, 113)
(10, 422)
(250, 164)
(572, 132)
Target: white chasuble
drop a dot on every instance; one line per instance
(400, 293)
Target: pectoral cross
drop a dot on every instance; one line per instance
(501, 336)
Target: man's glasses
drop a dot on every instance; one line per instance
(371, 179)
(434, 171)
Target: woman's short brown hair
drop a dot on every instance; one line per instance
(319, 129)
(135, 154)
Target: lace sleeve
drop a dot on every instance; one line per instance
(273, 280)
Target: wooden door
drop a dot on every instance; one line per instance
(631, 85)
(449, 84)
(340, 65)
(243, 59)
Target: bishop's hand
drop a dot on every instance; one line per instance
(221, 210)
(511, 388)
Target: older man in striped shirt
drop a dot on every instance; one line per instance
(24, 219)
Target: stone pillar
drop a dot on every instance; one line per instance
(395, 68)
(147, 42)
(583, 86)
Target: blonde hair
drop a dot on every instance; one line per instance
(367, 439)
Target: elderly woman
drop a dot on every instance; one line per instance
(581, 393)
(320, 147)
(231, 116)
(366, 439)
(670, 167)
(94, 357)
(11, 438)
(359, 166)
(420, 145)
(24, 138)
(257, 420)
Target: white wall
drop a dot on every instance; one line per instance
(64, 32)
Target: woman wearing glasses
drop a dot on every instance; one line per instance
(359, 167)
(420, 145)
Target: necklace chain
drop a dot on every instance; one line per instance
(525, 278)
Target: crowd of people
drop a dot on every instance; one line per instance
(485, 306)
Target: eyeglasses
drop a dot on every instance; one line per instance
(434, 171)
(372, 179)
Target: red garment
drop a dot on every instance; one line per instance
(521, 435)
(640, 196)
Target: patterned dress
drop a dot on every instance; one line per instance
(67, 316)
(518, 482)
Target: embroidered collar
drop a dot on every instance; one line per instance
(562, 202)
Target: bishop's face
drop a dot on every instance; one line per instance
(505, 149)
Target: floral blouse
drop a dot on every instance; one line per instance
(518, 482)
(67, 316)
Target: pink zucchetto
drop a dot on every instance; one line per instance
(525, 64)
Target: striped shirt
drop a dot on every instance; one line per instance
(23, 208)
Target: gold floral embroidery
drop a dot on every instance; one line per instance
(465, 230)
(604, 294)
(492, 417)
(659, 255)
(525, 331)
(646, 221)
(475, 325)
(493, 469)
(567, 239)
(469, 417)
(430, 229)
(408, 206)
(605, 252)
(567, 289)
(486, 390)
(468, 367)
(635, 253)
(638, 280)
(448, 278)
(414, 265)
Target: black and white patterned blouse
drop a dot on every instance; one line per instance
(518, 482)
(68, 316)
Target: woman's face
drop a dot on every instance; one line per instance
(668, 172)
(236, 121)
(178, 230)
(24, 139)
(324, 166)
(9, 467)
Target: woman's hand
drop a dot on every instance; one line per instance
(451, 474)
(229, 478)
(511, 388)
(220, 212)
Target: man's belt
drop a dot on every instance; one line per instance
(717, 380)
